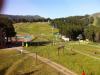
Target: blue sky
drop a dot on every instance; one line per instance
(51, 8)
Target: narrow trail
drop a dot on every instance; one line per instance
(95, 46)
(87, 54)
(13, 48)
(54, 65)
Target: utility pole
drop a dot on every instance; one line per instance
(52, 35)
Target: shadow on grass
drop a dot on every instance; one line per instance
(18, 44)
(29, 73)
(2, 72)
(40, 43)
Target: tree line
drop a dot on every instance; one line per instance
(74, 26)
(6, 25)
(71, 27)
(27, 18)
(7, 30)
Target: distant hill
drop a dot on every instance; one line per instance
(96, 19)
(96, 14)
(26, 18)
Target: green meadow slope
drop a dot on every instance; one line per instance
(76, 56)
(14, 63)
(96, 19)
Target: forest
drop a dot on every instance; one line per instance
(74, 26)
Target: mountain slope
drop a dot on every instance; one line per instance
(96, 19)
(26, 18)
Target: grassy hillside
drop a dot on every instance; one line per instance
(7, 58)
(42, 30)
(85, 59)
(33, 28)
(14, 63)
(96, 19)
(70, 58)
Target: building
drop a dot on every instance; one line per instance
(24, 38)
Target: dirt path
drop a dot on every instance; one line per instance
(86, 54)
(54, 65)
(95, 46)
(20, 48)
(13, 48)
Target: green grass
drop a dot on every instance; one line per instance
(42, 30)
(7, 58)
(74, 61)
(70, 59)
(90, 48)
(96, 21)
(14, 63)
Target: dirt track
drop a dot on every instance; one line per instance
(54, 65)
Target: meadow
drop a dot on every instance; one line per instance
(14, 63)
(76, 56)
